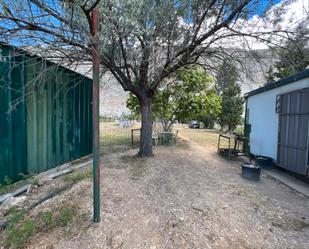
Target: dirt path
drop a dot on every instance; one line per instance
(184, 197)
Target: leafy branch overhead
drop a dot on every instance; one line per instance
(293, 57)
(142, 43)
(187, 94)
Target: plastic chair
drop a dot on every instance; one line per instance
(155, 138)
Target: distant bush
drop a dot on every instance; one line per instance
(106, 119)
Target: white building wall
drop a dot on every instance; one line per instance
(265, 121)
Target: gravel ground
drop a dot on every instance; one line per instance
(183, 197)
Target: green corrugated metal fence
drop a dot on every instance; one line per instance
(13, 136)
(52, 123)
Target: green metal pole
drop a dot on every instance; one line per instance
(95, 116)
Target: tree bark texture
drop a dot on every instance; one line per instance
(146, 129)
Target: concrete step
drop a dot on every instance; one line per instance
(288, 180)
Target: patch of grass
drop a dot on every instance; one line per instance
(22, 228)
(15, 215)
(136, 171)
(60, 217)
(130, 159)
(8, 180)
(66, 215)
(6, 188)
(19, 231)
(115, 143)
(10, 186)
(115, 148)
(77, 177)
(114, 138)
(182, 144)
(18, 235)
(47, 219)
(203, 137)
(136, 166)
(24, 176)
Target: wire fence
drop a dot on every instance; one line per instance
(116, 137)
(122, 135)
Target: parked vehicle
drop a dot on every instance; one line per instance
(194, 124)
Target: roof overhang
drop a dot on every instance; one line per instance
(285, 81)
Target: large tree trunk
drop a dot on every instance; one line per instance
(146, 131)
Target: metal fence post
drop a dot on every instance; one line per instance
(95, 116)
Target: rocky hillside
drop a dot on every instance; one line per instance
(254, 66)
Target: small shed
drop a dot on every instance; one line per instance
(277, 122)
(45, 114)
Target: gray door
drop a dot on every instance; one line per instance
(293, 131)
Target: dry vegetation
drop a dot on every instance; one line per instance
(114, 138)
(205, 137)
(183, 197)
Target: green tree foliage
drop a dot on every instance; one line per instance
(293, 56)
(142, 42)
(232, 100)
(227, 74)
(209, 120)
(187, 94)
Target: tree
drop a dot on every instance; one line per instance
(142, 42)
(227, 75)
(232, 100)
(209, 120)
(187, 94)
(293, 56)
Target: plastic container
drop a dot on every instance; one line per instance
(251, 172)
(264, 162)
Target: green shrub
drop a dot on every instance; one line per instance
(21, 229)
(17, 234)
(7, 180)
(66, 215)
(47, 219)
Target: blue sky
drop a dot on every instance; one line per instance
(263, 5)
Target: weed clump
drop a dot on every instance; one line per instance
(75, 178)
(21, 228)
(19, 231)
